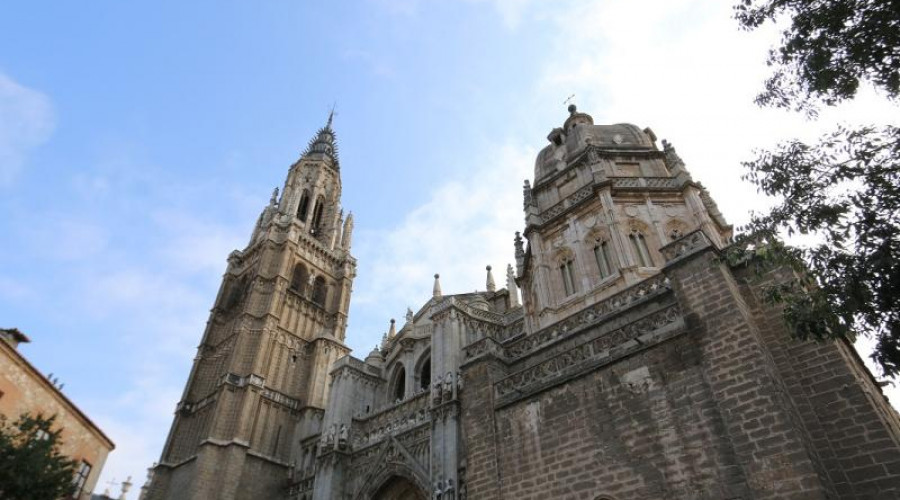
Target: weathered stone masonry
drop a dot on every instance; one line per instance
(638, 364)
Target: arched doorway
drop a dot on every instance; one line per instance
(399, 488)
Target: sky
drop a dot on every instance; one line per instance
(140, 140)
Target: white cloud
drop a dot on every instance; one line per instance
(681, 67)
(464, 226)
(26, 121)
(198, 245)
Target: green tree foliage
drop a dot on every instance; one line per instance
(845, 188)
(31, 466)
(829, 47)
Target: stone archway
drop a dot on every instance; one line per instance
(399, 488)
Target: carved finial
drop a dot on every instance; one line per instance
(126, 485)
(392, 331)
(673, 161)
(274, 199)
(491, 286)
(511, 286)
(409, 315)
(520, 249)
(347, 236)
(526, 193)
(436, 292)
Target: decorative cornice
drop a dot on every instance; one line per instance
(592, 154)
(684, 247)
(589, 316)
(588, 356)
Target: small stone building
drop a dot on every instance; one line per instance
(23, 389)
(638, 363)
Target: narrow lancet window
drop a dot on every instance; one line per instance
(298, 279)
(568, 277)
(400, 384)
(304, 206)
(319, 291)
(317, 217)
(601, 253)
(639, 244)
(425, 375)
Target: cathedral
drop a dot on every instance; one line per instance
(624, 359)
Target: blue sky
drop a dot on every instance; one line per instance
(140, 140)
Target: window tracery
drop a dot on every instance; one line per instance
(303, 208)
(319, 291)
(299, 279)
(639, 245)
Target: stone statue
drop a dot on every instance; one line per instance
(342, 436)
(330, 439)
(436, 391)
(459, 382)
(448, 386)
(526, 194)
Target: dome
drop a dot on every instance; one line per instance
(578, 132)
(375, 358)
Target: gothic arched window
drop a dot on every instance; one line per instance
(399, 391)
(319, 291)
(425, 375)
(299, 279)
(568, 275)
(604, 258)
(304, 206)
(317, 216)
(641, 252)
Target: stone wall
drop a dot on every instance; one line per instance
(716, 403)
(852, 427)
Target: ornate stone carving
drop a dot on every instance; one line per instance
(692, 242)
(589, 316)
(579, 357)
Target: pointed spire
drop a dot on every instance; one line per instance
(324, 143)
(491, 286)
(436, 292)
(330, 118)
(347, 236)
(392, 331)
(512, 287)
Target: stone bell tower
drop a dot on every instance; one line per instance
(260, 378)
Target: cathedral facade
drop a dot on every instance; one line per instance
(637, 364)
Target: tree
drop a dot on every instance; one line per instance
(31, 466)
(828, 49)
(845, 189)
